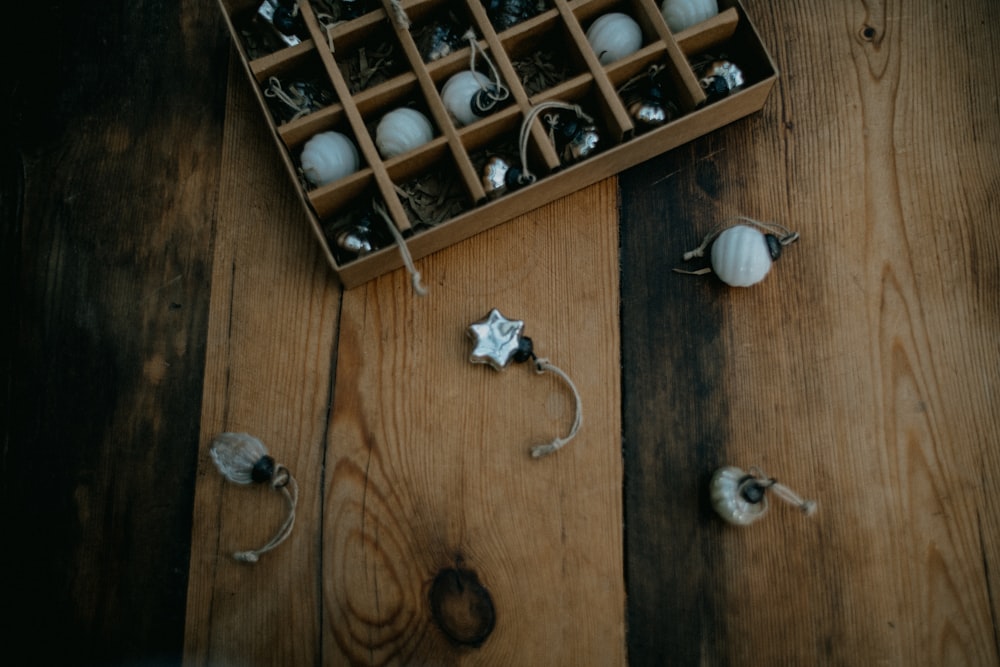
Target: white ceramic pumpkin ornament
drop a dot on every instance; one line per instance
(740, 498)
(742, 254)
(327, 157)
(402, 130)
(461, 93)
(614, 36)
(682, 14)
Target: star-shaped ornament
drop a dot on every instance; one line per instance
(498, 340)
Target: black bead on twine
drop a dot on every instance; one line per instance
(773, 246)
(263, 469)
(525, 350)
(751, 490)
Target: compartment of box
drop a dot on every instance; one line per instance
(544, 54)
(439, 28)
(294, 84)
(264, 27)
(429, 187)
(474, 89)
(505, 15)
(444, 199)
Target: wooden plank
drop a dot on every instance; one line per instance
(271, 343)
(429, 471)
(107, 237)
(838, 374)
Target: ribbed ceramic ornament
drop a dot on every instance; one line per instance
(682, 14)
(460, 91)
(741, 256)
(402, 130)
(327, 157)
(614, 36)
(736, 496)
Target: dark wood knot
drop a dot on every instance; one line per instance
(462, 607)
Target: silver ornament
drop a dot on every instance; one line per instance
(497, 341)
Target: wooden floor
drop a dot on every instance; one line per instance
(165, 288)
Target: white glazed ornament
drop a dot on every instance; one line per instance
(740, 498)
(682, 14)
(614, 36)
(459, 95)
(742, 254)
(402, 130)
(327, 157)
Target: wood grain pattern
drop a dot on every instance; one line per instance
(838, 373)
(271, 343)
(429, 468)
(164, 287)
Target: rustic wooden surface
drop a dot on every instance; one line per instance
(163, 289)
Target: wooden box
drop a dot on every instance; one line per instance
(358, 69)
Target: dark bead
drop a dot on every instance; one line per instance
(773, 246)
(263, 470)
(751, 491)
(284, 21)
(524, 350)
(484, 101)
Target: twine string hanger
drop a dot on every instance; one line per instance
(499, 92)
(808, 507)
(289, 488)
(328, 23)
(397, 236)
(648, 74)
(785, 236)
(526, 176)
(542, 366)
(296, 101)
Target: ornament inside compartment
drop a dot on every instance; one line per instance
(718, 75)
(327, 156)
(297, 91)
(438, 34)
(498, 164)
(576, 133)
(356, 232)
(269, 26)
(400, 126)
(683, 14)
(505, 14)
(369, 58)
(650, 98)
(615, 35)
(430, 189)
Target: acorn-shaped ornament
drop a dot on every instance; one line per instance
(742, 254)
(402, 130)
(719, 78)
(740, 498)
(327, 157)
(576, 139)
(469, 96)
(243, 459)
(505, 14)
(500, 177)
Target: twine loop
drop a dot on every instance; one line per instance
(551, 120)
(542, 366)
(295, 101)
(807, 507)
(497, 92)
(784, 235)
(404, 251)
